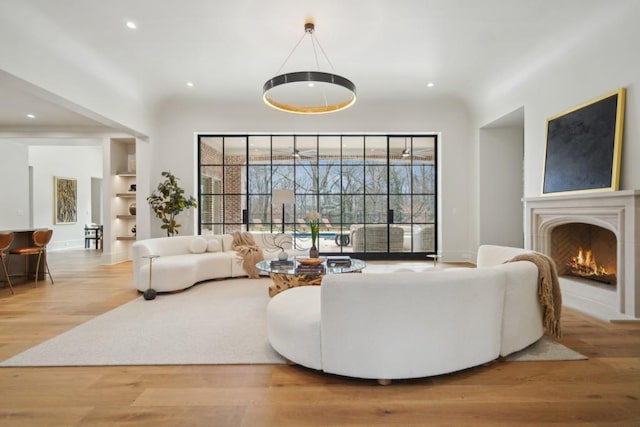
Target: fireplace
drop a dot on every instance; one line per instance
(591, 232)
(585, 251)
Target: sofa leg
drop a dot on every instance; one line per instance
(384, 381)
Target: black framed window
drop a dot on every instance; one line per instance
(377, 193)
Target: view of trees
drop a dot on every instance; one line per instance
(349, 180)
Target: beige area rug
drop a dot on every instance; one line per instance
(219, 322)
(545, 349)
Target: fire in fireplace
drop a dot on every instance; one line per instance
(574, 247)
(585, 265)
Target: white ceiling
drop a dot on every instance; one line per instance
(228, 48)
(16, 103)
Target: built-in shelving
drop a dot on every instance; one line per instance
(126, 216)
(129, 179)
(131, 195)
(123, 193)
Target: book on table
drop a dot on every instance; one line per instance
(276, 263)
(310, 269)
(338, 261)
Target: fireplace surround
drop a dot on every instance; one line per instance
(615, 211)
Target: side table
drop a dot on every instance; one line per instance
(150, 293)
(435, 258)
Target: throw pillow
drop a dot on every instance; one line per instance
(198, 245)
(214, 245)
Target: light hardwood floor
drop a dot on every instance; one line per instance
(604, 390)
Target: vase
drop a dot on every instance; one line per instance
(283, 256)
(313, 252)
(132, 208)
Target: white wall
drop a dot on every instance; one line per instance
(96, 200)
(56, 67)
(14, 186)
(500, 167)
(79, 162)
(173, 148)
(144, 180)
(605, 60)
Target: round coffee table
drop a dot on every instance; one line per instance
(293, 274)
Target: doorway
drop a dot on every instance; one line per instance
(501, 181)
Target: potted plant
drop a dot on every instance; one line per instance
(313, 220)
(168, 200)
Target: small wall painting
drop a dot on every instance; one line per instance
(65, 196)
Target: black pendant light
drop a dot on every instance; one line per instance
(309, 92)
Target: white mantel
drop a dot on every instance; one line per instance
(617, 211)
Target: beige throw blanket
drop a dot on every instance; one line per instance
(548, 290)
(250, 253)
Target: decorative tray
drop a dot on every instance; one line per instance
(311, 261)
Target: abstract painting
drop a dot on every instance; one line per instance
(584, 147)
(65, 196)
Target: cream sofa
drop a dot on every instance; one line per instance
(423, 238)
(411, 324)
(186, 260)
(373, 238)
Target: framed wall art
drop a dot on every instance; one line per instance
(65, 200)
(584, 146)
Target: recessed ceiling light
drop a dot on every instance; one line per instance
(430, 84)
(132, 25)
(31, 116)
(190, 84)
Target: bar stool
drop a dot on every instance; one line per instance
(41, 239)
(5, 241)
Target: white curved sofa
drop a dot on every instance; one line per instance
(428, 323)
(183, 261)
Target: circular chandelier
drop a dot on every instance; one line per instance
(309, 92)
